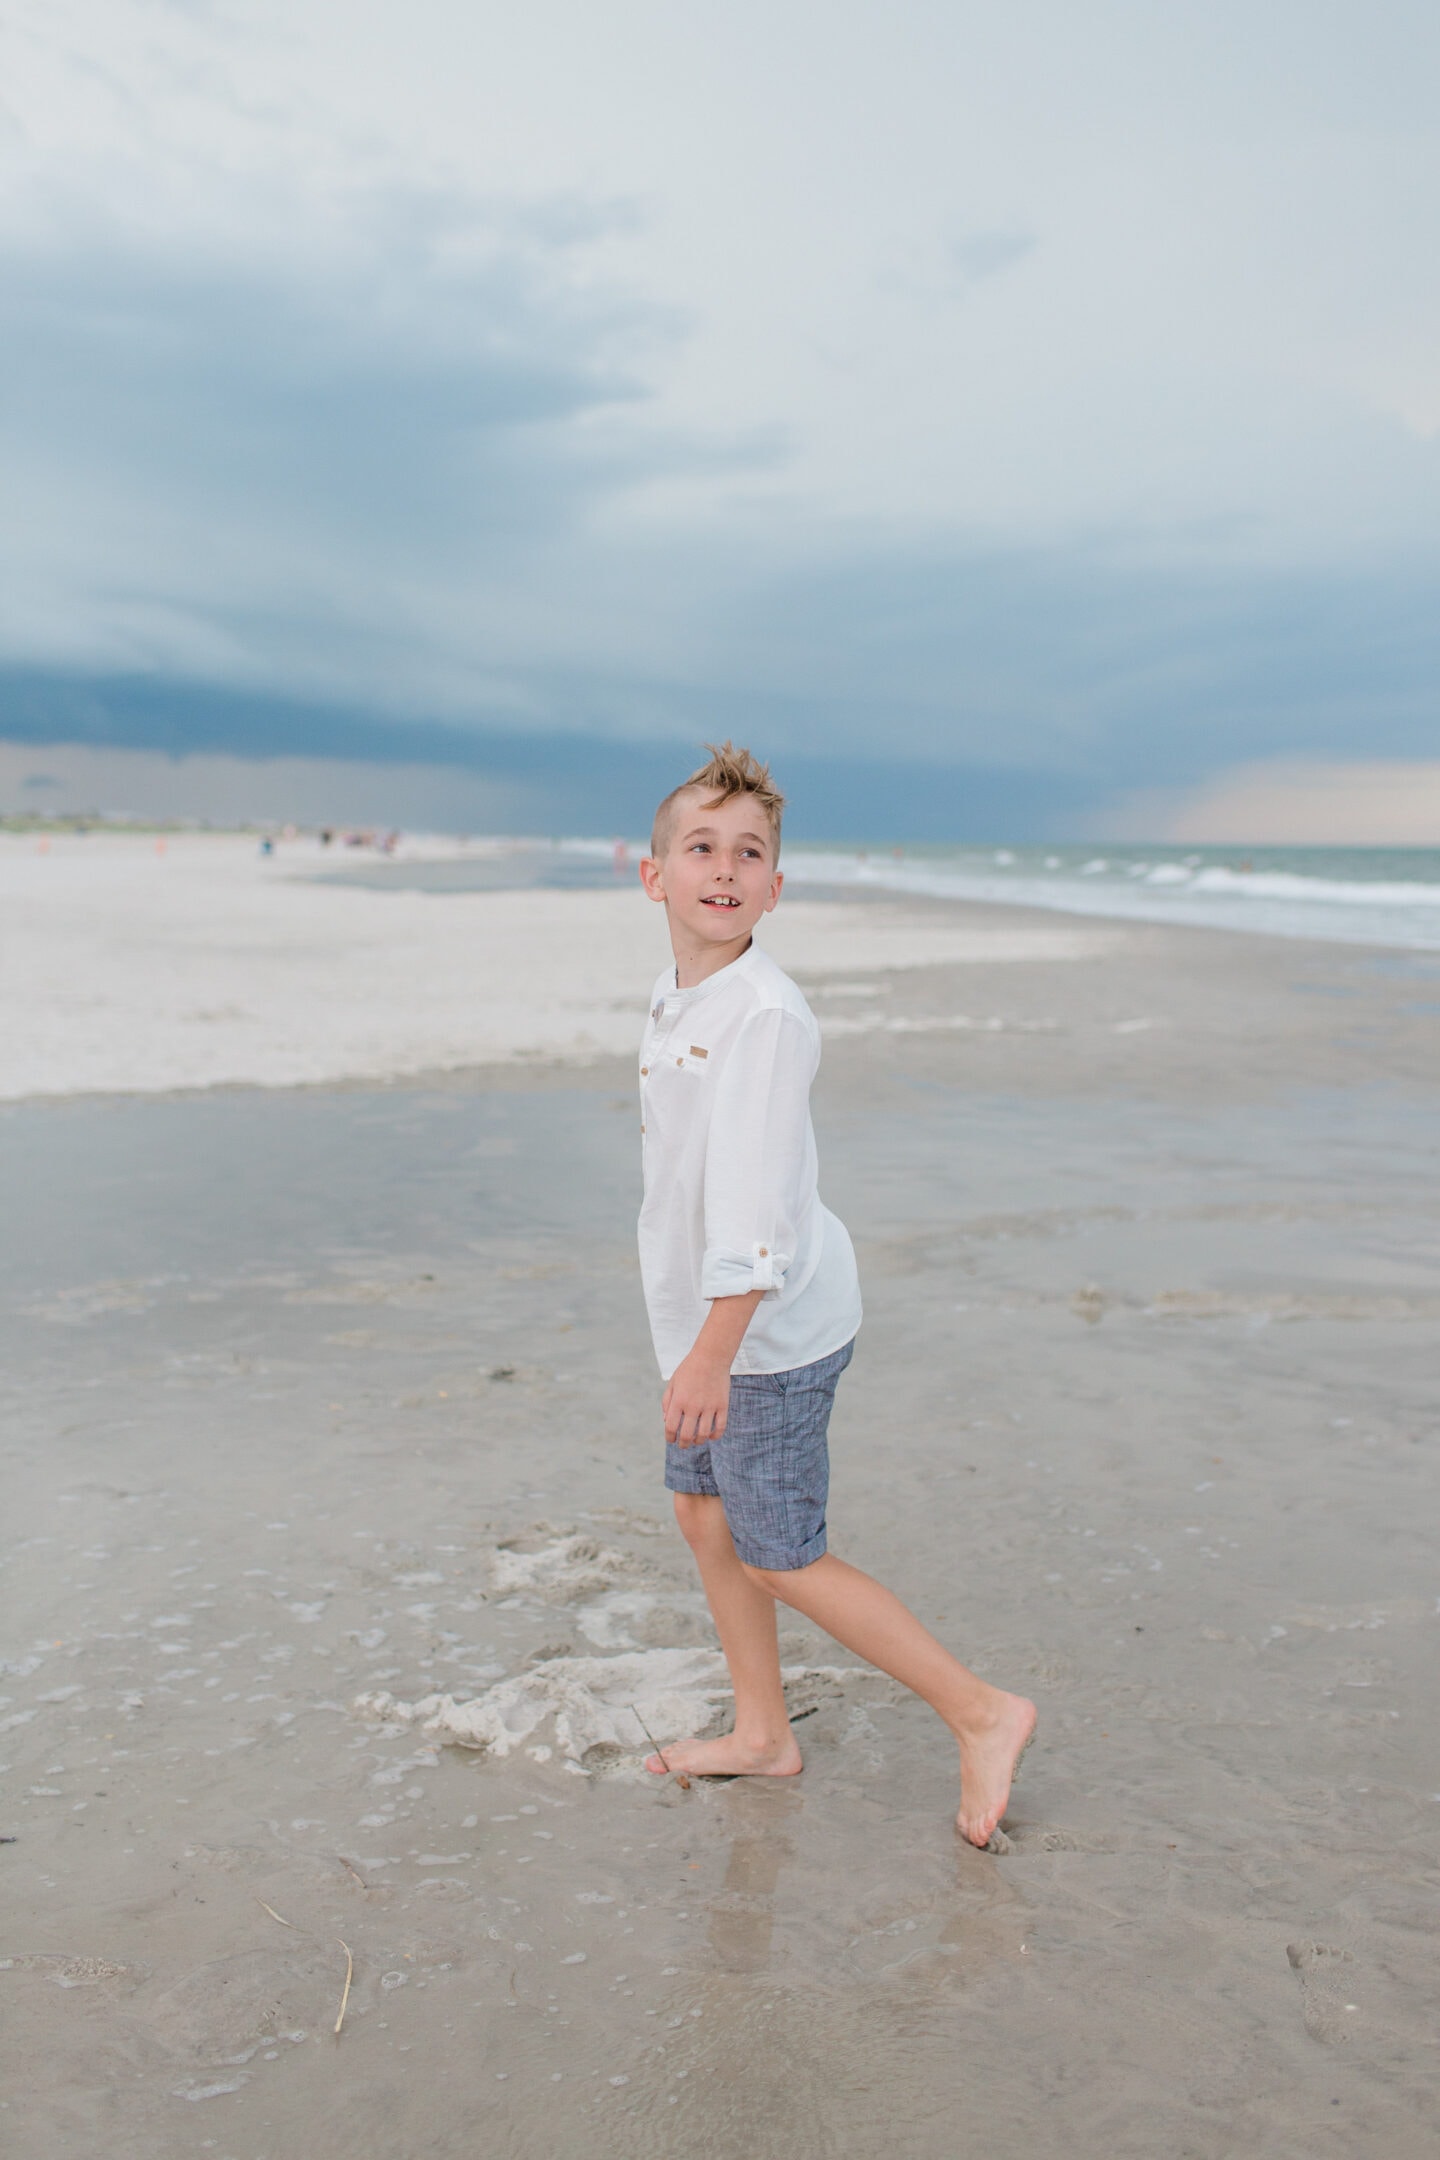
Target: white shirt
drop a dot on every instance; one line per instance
(730, 1167)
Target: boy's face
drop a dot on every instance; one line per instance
(717, 876)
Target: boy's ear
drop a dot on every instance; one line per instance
(652, 877)
(776, 882)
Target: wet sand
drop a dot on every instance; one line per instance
(323, 1400)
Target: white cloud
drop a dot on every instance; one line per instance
(1241, 218)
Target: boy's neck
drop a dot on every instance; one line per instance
(693, 967)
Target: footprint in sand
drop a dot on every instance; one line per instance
(1039, 1837)
(226, 2009)
(1322, 1990)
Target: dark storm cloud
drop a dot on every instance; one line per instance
(547, 781)
(1082, 665)
(903, 694)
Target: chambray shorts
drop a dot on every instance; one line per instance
(771, 1465)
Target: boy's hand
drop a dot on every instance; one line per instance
(697, 1401)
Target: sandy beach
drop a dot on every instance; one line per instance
(144, 964)
(330, 1439)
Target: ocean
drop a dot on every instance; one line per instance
(1347, 896)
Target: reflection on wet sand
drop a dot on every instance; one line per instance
(838, 1980)
(741, 1918)
(921, 1926)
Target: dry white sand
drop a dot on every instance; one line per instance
(136, 965)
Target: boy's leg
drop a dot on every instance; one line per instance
(762, 1743)
(993, 1728)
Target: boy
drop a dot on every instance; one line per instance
(754, 1302)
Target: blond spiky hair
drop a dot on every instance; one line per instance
(727, 772)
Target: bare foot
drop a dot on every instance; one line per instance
(988, 1763)
(729, 1757)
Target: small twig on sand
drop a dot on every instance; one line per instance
(679, 1775)
(275, 1915)
(349, 1976)
(351, 1869)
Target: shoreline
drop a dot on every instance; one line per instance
(168, 974)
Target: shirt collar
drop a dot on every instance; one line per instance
(675, 999)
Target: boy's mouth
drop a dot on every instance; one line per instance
(720, 900)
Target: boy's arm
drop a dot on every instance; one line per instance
(697, 1401)
(759, 1156)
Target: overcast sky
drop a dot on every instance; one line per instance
(1051, 391)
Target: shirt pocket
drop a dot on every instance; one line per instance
(691, 1058)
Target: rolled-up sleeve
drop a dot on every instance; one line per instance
(760, 1160)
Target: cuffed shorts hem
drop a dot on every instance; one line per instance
(779, 1559)
(681, 1476)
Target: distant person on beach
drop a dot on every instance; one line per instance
(754, 1302)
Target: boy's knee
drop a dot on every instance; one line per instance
(771, 1579)
(780, 1582)
(699, 1516)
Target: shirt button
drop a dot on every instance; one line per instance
(679, 1061)
(644, 1072)
(764, 1252)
